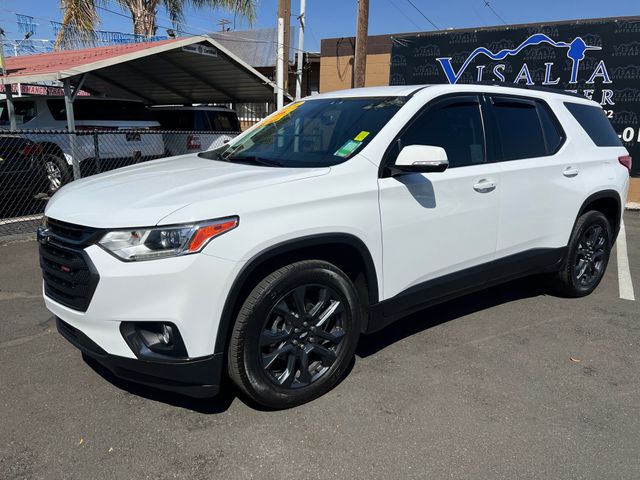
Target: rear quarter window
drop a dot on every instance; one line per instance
(594, 121)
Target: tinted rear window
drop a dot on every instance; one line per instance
(198, 120)
(223, 121)
(553, 134)
(520, 129)
(103, 110)
(174, 119)
(594, 121)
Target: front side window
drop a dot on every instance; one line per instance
(312, 133)
(24, 110)
(455, 125)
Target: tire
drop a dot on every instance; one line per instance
(280, 358)
(587, 257)
(56, 173)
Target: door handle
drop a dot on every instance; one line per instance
(485, 186)
(570, 172)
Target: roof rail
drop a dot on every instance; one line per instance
(529, 87)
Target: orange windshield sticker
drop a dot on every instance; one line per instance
(280, 114)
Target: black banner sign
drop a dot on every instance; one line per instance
(599, 59)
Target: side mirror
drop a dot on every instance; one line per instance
(421, 159)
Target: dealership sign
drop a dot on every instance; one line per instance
(599, 59)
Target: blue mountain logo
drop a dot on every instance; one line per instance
(575, 52)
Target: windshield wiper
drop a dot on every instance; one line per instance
(212, 155)
(254, 159)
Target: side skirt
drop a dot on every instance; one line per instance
(453, 285)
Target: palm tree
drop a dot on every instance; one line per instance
(81, 17)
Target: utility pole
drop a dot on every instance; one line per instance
(360, 60)
(284, 12)
(300, 67)
(280, 65)
(2, 40)
(223, 22)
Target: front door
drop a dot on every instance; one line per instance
(436, 224)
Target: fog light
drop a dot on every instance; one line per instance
(154, 340)
(167, 334)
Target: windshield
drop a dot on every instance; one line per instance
(313, 133)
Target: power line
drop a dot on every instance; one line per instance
(208, 33)
(488, 5)
(226, 36)
(425, 17)
(405, 15)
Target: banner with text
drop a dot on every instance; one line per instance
(599, 59)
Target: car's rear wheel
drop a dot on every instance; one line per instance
(587, 256)
(295, 334)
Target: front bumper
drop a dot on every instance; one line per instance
(198, 377)
(188, 291)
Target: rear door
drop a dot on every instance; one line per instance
(435, 224)
(540, 181)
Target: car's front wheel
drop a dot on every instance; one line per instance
(295, 334)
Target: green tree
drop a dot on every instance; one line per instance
(81, 17)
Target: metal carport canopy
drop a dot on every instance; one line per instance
(177, 71)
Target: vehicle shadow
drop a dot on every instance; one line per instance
(368, 345)
(424, 319)
(218, 404)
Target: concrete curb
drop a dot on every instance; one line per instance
(632, 206)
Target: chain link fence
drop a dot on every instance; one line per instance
(34, 164)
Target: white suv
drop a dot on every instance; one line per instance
(268, 257)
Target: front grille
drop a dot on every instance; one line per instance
(69, 276)
(68, 233)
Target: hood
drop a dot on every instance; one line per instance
(143, 194)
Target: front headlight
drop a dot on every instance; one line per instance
(162, 242)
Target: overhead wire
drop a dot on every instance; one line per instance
(425, 17)
(488, 5)
(397, 7)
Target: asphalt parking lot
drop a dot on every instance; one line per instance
(507, 383)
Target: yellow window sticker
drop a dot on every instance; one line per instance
(361, 136)
(283, 112)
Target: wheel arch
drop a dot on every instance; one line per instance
(52, 148)
(607, 202)
(346, 251)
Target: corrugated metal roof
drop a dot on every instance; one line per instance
(48, 63)
(182, 70)
(256, 47)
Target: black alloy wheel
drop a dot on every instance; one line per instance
(302, 336)
(587, 256)
(590, 254)
(295, 335)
